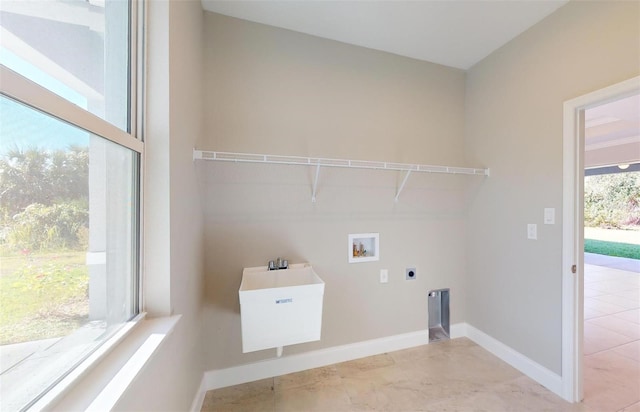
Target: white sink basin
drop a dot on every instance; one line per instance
(261, 278)
(280, 307)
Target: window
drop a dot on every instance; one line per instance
(79, 50)
(70, 170)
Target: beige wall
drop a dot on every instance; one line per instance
(514, 124)
(270, 90)
(174, 237)
(275, 91)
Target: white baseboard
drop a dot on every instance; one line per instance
(534, 370)
(221, 378)
(295, 363)
(458, 330)
(198, 401)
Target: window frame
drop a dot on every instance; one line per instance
(25, 91)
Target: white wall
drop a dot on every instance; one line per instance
(513, 124)
(270, 90)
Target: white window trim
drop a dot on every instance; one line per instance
(23, 90)
(101, 380)
(114, 364)
(138, 339)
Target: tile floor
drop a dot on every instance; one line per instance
(455, 375)
(611, 339)
(458, 375)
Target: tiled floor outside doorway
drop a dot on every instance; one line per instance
(611, 338)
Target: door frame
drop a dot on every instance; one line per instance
(573, 230)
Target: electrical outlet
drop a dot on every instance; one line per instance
(532, 231)
(411, 273)
(384, 276)
(549, 216)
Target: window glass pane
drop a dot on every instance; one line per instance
(68, 248)
(78, 49)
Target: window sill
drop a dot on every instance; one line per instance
(101, 380)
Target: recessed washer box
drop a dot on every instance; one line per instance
(438, 306)
(280, 307)
(364, 247)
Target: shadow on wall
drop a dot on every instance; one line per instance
(231, 249)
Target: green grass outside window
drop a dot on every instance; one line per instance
(602, 247)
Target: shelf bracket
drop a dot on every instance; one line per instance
(197, 154)
(315, 183)
(404, 181)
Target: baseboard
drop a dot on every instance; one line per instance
(221, 378)
(198, 401)
(295, 363)
(534, 370)
(458, 330)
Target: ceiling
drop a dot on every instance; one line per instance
(612, 132)
(613, 123)
(456, 33)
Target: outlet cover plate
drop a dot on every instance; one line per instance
(411, 274)
(549, 215)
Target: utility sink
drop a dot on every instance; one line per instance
(280, 307)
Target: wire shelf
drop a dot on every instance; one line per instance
(342, 163)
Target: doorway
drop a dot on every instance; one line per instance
(611, 342)
(573, 231)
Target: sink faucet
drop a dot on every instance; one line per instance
(278, 264)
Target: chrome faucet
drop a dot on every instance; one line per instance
(278, 264)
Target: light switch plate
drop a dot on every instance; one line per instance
(384, 275)
(549, 216)
(532, 231)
